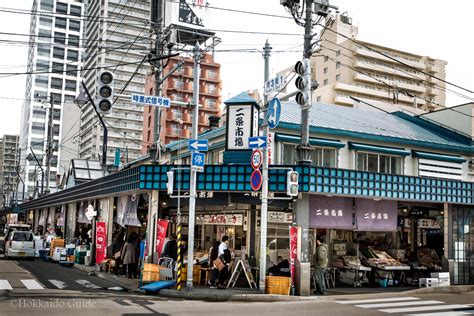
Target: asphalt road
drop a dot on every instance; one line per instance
(32, 293)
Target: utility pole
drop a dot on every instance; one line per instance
(192, 184)
(160, 7)
(17, 170)
(49, 149)
(264, 207)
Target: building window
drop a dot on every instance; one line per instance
(212, 88)
(56, 83)
(211, 103)
(379, 163)
(338, 65)
(73, 40)
(71, 70)
(211, 74)
(321, 156)
(43, 21)
(325, 70)
(75, 10)
(338, 77)
(41, 81)
(60, 23)
(57, 68)
(39, 114)
(42, 65)
(72, 55)
(56, 98)
(74, 25)
(318, 99)
(59, 38)
(46, 5)
(61, 8)
(43, 50)
(338, 53)
(37, 127)
(178, 83)
(44, 35)
(325, 82)
(70, 85)
(58, 52)
(326, 58)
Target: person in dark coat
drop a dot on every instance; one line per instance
(116, 249)
(214, 271)
(129, 257)
(171, 249)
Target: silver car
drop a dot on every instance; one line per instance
(20, 244)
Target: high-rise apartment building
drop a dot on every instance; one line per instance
(176, 121)
(53, 63)
(116, 39)
(346, 68)
(8, 164)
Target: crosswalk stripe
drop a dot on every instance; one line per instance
(31, 284)
(88, 284)
(5, 285)
(379, 300)
(442, 314)
(58, 284)
(423, 308)
(399, 304)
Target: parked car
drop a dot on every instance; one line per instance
(20, 244)
(13, 227)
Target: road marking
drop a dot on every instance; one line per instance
(32, 284)
(5, 285)
(423, 308)
(442, 314)
(87, 284)
(379, 300)
(399, 304)
(58, 284)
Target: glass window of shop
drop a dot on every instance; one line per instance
(379, 163)
(321, 156)
(463, 244)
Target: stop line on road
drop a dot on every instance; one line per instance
(32, 284)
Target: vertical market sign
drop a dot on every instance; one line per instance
(293, 254)
(100, 242)
(161, 228)
(242, 123)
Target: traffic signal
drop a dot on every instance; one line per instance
(292, 183)
(170, 184)
(105, 91)
(303, 81)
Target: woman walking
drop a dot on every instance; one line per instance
(129, 254)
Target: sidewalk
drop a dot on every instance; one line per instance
(130, 285)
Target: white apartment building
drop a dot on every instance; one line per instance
(116, 39)
(8, 165)
(346, 68)
(53, 63)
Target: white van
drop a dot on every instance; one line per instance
(20, 244)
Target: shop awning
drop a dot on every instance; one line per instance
(313, 141)
(433, 156)
(379, 149)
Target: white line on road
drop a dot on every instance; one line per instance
(58, 284)
(399, 304)
(423, 308)
(379, 300)
(441, 314)
(5, 285)
(32, 284)
(87, 284)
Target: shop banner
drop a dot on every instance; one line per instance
(42, 218)
(330, 212)
(51, 218)
(161, 228)
(376, 215)
(131, 217)
(81, 217)
(121, 207)
(100, 242)
(293, 254)
(61, 217)
(221, 219)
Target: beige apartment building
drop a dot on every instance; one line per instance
(346, 68)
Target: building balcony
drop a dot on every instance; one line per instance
(384, 69)
(370, 54)
(402, 85)
(343, 100)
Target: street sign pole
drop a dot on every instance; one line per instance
(264, 207)
(192, 184)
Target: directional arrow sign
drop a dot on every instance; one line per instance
(273, 112)
(257, 142)
(198, 145)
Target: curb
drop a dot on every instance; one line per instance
(222, 297)
(444, 289)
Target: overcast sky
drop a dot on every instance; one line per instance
(423, 27)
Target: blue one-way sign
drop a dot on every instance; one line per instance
(257, 142)
(197, 145)
(197, 161)
(273, 112)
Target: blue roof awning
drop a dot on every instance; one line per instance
(379, 149)
(442, 157)
(312, 141)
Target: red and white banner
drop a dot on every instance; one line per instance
(293, 247)
(100, 242)
(161, 228)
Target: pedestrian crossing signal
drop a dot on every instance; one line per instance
(292, 183)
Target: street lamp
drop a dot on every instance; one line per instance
(31, 156)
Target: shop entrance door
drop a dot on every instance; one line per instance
(463, 245)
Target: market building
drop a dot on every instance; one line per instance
(391, 192)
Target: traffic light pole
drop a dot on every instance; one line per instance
(264, 207)
(192, 184)
(49, 143)
(158, 72)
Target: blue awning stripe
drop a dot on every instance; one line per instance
(433, 156)
(313, 141)
(379, 149)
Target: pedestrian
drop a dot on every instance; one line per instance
(171, 249)
(320, 261)
(129, 256)
(117, 246)
(213, 255)
(225, 256)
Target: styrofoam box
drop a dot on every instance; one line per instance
(428, 282)
(440, 275)
(444, 282)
